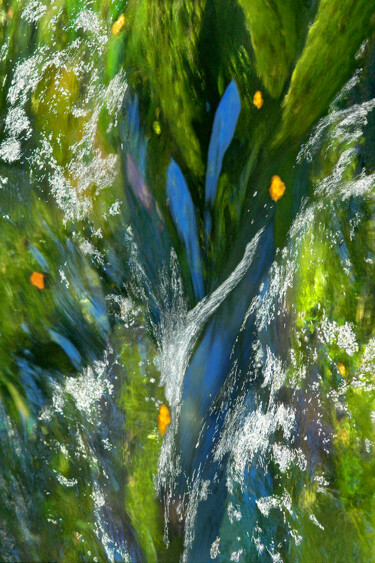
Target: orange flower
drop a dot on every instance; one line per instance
(258, 99)
(341, 369)
(277, 188)
(119, 24)
(37, 279)
(164, 419)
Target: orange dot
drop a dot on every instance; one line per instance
(277, 188)
(341, 369)
(37, 279)
(258, 99)
(164, 419)
(119, 24)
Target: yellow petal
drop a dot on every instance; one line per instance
(157, 128)
(258, 99)
(277, 188)
(37, 279)
(119, 24)
(164, 419)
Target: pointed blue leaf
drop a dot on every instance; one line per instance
(183, 214)
(222, 134)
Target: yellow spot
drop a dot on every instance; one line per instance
(360, 312)
(164, 419)
(119, 24)
(37, 279)
(343, 436)
(308, 498)
(341, 369)
(258, 99)
(157, 128)
(277, 188)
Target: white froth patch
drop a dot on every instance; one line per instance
(197, 492)
(89, 388)
(67, 198)
(246, 436)
(286, 457)
(368, 359)
(111, 547)
(10, 150)
(113, 94)
(17, 122)
(63, 278)
(315, 521)
(236, 555)
(33, 11)
(273, 373)
(265, 504)
(64, 481)
(215, 548)
(343, 335)
(296, 536)
(88, 21)
(334, 185)
(115, 208)
(98, 497)
(88, 249)
(25, 79)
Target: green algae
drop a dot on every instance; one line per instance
(165, 58)
(326, 63)
(274, 29)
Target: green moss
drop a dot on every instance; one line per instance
(274, 29)
(327, 61)
(161, 53)
(139, 399)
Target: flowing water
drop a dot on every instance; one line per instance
(252, 321)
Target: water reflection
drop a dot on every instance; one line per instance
(186, 274)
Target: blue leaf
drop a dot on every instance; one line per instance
(222, 134)
(183, 213)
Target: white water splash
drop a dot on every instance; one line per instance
(348, 125)
(343, 335)
(33, 11)
(215, 548)
(87, 169)
(178, 333)
(177, 336)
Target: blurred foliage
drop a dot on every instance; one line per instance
(179, 57)
(140, 399)
(162, 56)
(327, 61)
(274, 30)
(332, 303)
